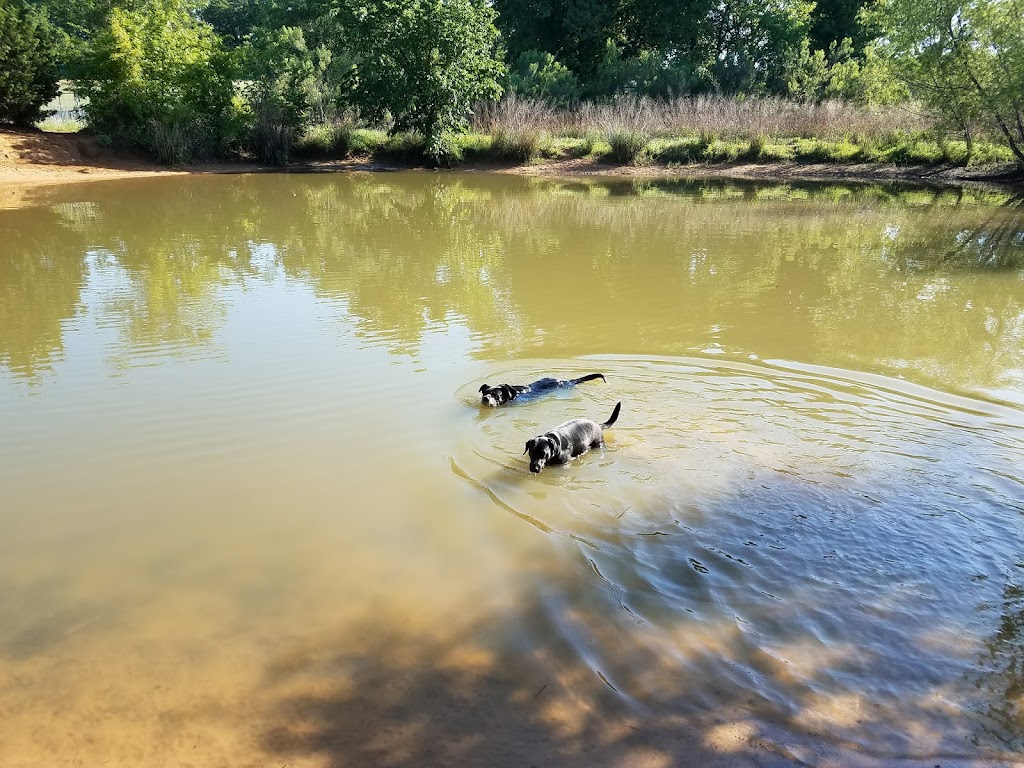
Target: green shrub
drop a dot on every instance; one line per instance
(289, 91)
(719, 151)
(516, 144)
(649, 73)
(158, 78)
(986, 152)
(539, 75)
(334, 138)
(755, 151)
(407, 146)
(627, 145)
(366, 141)
(28, 62)
(443, 148)
(677, 151)
(474, 146)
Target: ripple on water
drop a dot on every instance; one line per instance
(836, 553)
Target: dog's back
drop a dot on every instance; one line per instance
(584, 433)
(505, 393)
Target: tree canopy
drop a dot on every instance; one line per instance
(254, 74)
(965, 58)
(28, 62)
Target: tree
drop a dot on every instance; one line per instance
(965, 58)
(28, 62)
(833, 21)
(288, 90)
(424, 63)
(662, 46)
(752, 41)
(573, 31)
(540, 75)
(158, 78)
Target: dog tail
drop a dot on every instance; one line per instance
(589, 377)
(615, 415)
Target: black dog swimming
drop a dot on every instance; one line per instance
(506, 393)
(567, 441)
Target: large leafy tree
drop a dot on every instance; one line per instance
(287, 90)
(574, 31)
(77, 22)
(423, 63)
(28, 71)
(736, 46)
(752, 41)
(158, 77)
(963, 57)
(833, 21)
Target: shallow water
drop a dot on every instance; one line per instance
(253, 515)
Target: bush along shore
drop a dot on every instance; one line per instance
(677, 132)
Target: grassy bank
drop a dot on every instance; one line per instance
(703, 130)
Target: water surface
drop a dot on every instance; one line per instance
(253, 515)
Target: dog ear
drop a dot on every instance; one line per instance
(529, 444)
(484, 388)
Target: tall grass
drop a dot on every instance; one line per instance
(721, 116)
(333, 138)
(700, 129)
(518, 127)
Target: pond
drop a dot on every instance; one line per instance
(253, 513)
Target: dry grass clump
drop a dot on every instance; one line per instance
(519, 128)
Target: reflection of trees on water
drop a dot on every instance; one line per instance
(867, 275)
(400, 260)
(41, 277)
(1000, 679)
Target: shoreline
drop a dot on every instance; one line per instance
(36, 158)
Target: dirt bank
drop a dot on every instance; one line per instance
(34, 157)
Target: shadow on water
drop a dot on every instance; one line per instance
(670, 650)
(475, 699)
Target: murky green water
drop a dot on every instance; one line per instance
(252, 515)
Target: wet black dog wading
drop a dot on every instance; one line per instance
(567, 441)
(503, 394)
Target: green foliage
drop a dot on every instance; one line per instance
(335, 138)
(408, 146)
(659, 47)
(423, 63)
(574, 32)
(539, 75)
(517, 145)
(77, 23)
(158, 78)
(963, 58)
(833, 21)
(649, 73)
(627, 145)
(752, 42)
(28, 71)
(289, 90)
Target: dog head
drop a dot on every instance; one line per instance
(492, 397)
(541, 449)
